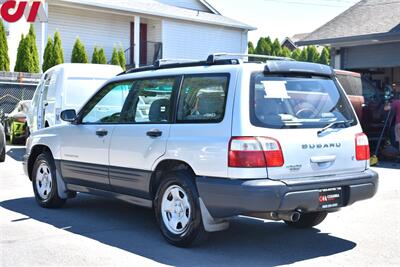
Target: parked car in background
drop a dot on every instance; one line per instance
(15, 124)
(66, 86)
(367, 100)
(202, 142)
(2, 144)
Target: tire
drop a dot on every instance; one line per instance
(3, 155)
(308, 220)
(44, 182)
(178, 192)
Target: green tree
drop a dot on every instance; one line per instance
(325, 57)
(58, 52)
(79, 54)
(24, 57)
(296, 54)
(121, 58)
(115, 57)
(4, 59)
(312, 54)
(95, 56)
(48, 57)
(276, 48)
(33, 50)
(102, 56)
(251, 49)
(304, 55)
(286, 52)
(263, 47)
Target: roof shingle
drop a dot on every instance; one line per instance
(365, 18)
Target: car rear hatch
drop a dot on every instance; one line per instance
(305, 126)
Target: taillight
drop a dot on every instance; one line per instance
(362, 147)
(255, 152)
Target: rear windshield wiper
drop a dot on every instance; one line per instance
(331, 125)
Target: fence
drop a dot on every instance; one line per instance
(15, 87)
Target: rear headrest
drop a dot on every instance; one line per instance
(159, 110)
(211, 103)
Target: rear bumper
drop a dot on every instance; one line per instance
(227, 197)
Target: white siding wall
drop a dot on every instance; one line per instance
(196, 41)
(93, 28)
(190, 4)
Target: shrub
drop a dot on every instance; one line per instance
(4, 59)
(95, 56)
(251, 49)
(115, 57)
(325, 57)
(33, 50)
(58, 52)
(48, 57)
(79, 54)
(24, 57)
(121, 58)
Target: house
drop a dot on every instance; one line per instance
(365, 39)
(290, 42)
(146, 29)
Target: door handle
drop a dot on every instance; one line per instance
(101, 132)
(154, 133)
(323, 159)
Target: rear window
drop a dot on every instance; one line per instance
(297, 102)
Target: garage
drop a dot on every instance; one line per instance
(366, 39)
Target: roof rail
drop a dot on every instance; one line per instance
(213, 59)
(215, 56)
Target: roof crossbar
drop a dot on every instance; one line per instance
(215, 56)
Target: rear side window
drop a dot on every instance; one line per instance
(297, 102)
(203, 98)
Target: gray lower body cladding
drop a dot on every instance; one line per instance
(229, 197)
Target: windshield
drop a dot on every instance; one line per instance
(80, 89)
(301, 102)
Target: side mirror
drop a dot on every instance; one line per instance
(68, 115)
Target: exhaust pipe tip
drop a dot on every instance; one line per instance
(295, 216)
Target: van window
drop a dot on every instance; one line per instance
(79, 89)
(106, 106)
(351, 84)
(203, 98)
(297, 102)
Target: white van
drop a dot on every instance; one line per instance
(66, 86)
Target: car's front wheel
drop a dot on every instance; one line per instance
(45, 182)
(177, 209)
(308, 220)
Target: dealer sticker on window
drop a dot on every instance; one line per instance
(275, 89)
(330, 198)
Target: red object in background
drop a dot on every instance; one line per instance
(8, 14)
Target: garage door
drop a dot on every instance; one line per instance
(371, 56)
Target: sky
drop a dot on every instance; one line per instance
(281, 18)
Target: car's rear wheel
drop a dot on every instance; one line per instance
(44, 182)
(177, 210)
(308, 220)
(3, 155)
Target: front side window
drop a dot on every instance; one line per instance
(297, 102)
(203, 98)
(106, 106)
